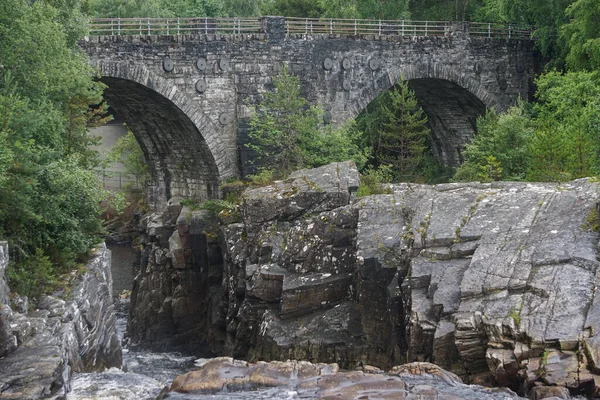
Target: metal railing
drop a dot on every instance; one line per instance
(367, 27)
(116, 180)
(304, 26)
(355, 27)
(173, 26)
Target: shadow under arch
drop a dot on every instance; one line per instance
(451, 100)
(180, 160)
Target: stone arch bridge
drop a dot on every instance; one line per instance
(186, 87)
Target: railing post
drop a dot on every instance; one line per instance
(489, 30)
(140, 27)
(206, 25)
(119, 26)
(379, 27)
(509, 30)
(178, 27)
(330, 26)
(306, 26)
(355, 27)
(167, 26)
(402, 27)
(148, 26)
(112, 27)
(425, 28)
(274, 28)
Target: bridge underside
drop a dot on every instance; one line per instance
(178, 157)
(452, 112)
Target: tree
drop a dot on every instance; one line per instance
(48, 197)
(394, 128)
(547, 18)
(582, 35)
(128, 152)
(566, 141)
(287, 132)
(499, 150)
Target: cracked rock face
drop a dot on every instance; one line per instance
(494, 282)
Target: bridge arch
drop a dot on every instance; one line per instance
(180, 143)
(451, 99)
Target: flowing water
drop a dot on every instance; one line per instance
(146, 373)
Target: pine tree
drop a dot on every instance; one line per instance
(402, 141)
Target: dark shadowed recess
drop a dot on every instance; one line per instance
(452, 112)
(178, 157)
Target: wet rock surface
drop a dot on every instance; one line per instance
(62, 336)
(494, 282)
(325, 381)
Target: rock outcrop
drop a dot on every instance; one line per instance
(62, 336)
(325, 381)
(494, 282)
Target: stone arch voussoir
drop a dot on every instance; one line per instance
(140, 74)
(424, 71)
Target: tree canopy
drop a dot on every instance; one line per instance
(49, 198)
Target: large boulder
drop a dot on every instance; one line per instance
(325, 381)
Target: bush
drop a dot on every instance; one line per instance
(372, 179)
(32, 276)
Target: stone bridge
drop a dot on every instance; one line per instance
(188, 97)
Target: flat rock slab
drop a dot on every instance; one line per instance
(324, 381)
(309, 190)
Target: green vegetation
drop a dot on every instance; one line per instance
(393, 130)
(288, 134)
(49, 199)
(554, 139)
(128, 152)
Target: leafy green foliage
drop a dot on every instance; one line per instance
(499, 151)
(128, 152)
(566, 142)
(558, 140)
(48, 196)
(372, 179)
(288, 134)
(582, 35)
(33, 275)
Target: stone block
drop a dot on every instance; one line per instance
(303, 294)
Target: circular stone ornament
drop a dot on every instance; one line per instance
(503, 84)
(327, 117)
(224, 119)
(478, 68)
(346, 84)
(346, 63)
(501, 69)
(201, 64)
(201, 86)
(327, 63)
(374, 64)
(168, 64)
(520, 67)
(224, 64)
